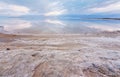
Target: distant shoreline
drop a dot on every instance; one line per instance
(109, 18)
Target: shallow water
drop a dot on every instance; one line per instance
(57, 25)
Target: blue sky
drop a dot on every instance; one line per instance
(59, 7)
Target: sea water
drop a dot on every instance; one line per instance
(57, 25)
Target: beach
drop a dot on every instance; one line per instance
(59, 38)
(60, 55)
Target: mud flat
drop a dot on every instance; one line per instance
(95, 55)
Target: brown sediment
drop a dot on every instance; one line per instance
(40, 70)
(10, 37)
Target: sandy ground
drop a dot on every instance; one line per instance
(60, 55)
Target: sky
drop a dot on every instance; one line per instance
(59, 7)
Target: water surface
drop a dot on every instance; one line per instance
(60, 26)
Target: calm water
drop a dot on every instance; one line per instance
(48, 25)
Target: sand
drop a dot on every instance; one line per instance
(70, 55)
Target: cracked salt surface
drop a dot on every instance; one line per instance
(61, 57)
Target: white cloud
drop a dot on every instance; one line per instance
(55, 13)
(113, 7)
(13, 10)
(55, 9)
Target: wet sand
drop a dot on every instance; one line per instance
(47, 55)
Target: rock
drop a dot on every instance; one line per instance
(7, 48)
(35, 54)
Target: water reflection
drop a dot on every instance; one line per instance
(105, 27)
(13, 25)
(58, 26)
(56, 22)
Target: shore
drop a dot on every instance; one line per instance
(47, 55)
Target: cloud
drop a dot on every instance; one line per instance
(13, 10)
(55, 13)
(112, 7)
(55, 9)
